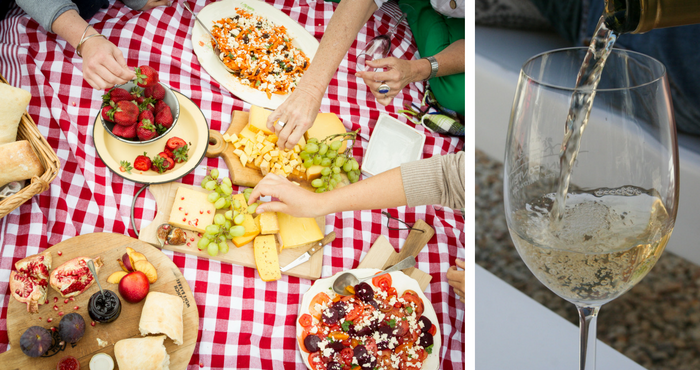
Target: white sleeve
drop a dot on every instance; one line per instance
(380, 3)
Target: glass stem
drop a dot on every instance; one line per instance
(587, 318)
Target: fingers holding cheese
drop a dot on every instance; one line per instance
(291, 198)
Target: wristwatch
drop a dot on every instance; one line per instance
(433, 67)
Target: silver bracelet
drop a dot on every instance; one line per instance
(433, 67)
(83, 39)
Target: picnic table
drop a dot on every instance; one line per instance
(244, 322)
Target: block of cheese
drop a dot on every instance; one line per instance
(191, 210)
(252, 229)
(268, 223)
(242, 204)
(326, 124)
(247, 133)
(257, 120)
(19, 162)
(313, 172)
(295, 231)
(266, 259)
(14, 104)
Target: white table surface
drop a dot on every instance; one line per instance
(514, 331)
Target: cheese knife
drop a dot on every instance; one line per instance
(307, 255)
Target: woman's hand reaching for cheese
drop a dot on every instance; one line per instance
(297, 113)
(291, 199)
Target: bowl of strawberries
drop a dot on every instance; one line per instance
(140, 111)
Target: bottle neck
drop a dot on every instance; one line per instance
(639, 16)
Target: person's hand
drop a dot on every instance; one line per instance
(291, 199)
(398, 73)
(104, 65)
(150, 4)
(298, 113)
(456, 278)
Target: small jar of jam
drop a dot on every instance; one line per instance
(104, 309)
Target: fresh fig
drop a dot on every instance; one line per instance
(71, 328)
(35, 341)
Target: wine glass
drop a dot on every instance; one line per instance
(378, 47)
(623, 193)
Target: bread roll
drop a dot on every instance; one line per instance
(142, 354)
(14, 105)
(162, 314)
(19, 162)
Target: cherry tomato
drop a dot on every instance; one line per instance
(421, 354)
(315, 362)
(382, 282)
(402, 349)
(371, 346)
(401, 328)
(432, 330)
(319, 299)
(354, 313)
(305, 320)
(346, 354)
(391, 292)
(354, 342)
(411, 336)
(384, 359)
(384, 305)
(338, 335)
(416, 301)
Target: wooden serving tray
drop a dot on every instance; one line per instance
(165, 197)
(109, 247)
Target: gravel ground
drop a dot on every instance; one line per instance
(656, 324)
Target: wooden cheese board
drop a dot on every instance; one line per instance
(109, 247)
(165, 196)
(383, 255)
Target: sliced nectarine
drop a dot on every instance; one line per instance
(121, 264)
(148, 269)
(116, 277)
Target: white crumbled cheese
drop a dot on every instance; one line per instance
(101, 343)
(314, 330)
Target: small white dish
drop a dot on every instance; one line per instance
(101, 361)
(391, 144)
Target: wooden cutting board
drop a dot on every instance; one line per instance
(383, 255)
(109, 247)
(165, 196)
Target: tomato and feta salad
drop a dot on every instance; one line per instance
(376, 328)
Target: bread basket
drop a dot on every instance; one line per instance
(27, 130)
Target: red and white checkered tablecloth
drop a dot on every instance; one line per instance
(245, 323)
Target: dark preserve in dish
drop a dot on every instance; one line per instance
(104, 309)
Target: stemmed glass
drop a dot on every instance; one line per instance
(378, 47)
(623, 194)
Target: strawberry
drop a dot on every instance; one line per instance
(106, 113)
(164, 117)
(142, 162)
(146, 76)
(148, 104)
(145, 130)
(125, 166)
(160, 105)
(180, 154)
(126, 113)
(116, 95)
(136, 93)
(174, 143)
(158, 165)
(127, 132)
(155, 91)
(146, 115)
(168, 162)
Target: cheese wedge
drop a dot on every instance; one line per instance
(257, 120)
(326, 124)
(252, 229)
(247, 133)
(295, 231)
(268, 223)
(266, 259)
(191, 210)
(313, 172)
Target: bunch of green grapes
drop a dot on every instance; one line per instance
(325, 153)
(228, 225)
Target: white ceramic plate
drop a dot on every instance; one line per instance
(201, 43)
(401, 282)
(191, 127)
(391, 144)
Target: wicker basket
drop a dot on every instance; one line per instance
(27, 130)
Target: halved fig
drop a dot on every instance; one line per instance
(148, 269)
(116, 277)
(74, 277)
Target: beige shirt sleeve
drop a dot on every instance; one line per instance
(435, 180)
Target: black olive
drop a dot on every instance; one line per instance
(236, 17)
(305, 64)
(289, 69)
(258, 25)
(245, 39)
(311, 343)
(265, 35)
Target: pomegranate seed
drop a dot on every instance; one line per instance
(65, 301)
(45, 302)
(183, 198)
(179, 209)
(201, 212)
(208, 211)
(188, 244)
(201, 364)
(39, 317)
(53, 328)
(186, 213)
(49, 319)
(199, 235)
(72, 299)
(59, 253)
(92, 323)
(60, 313)
(191, 239)
(55, 308)
(76, 308)
(184, 219)
(55, 299)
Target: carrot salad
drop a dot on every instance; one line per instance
(260, 53)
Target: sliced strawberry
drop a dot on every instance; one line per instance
(181, 154)
(168, 162)
(174, 143)
(142, 162)
(158, 165)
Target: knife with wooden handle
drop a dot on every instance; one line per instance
(306, 256)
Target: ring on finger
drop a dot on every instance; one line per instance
(281, 124)
(384, 89)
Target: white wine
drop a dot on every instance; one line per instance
(605, 243)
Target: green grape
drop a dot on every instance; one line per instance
(332, 183)
(226, 181)
(220, 192)
(308, 163)
(211, 236)
(223, 247)
(340, 161)
(335, 169)
(321, 190)
(235, 213)
(337, 178)
(210, 185)
(311, 148)
(353, 176)
(227, 190)
(330, 187)
(219, 219)
(238, 219)
(325, 171)
(229, 215)
(220, 203)
(347, 167)
(203, 243)
(247, 197)
(214, 173)
(252, 208)
(237, 230)
(213, 197)
(212, 229)
(228, 203)
(227, 225)
(313, 140)
(322, 149)
(331, 154)
(221, 238)
(205, 180)
(355, 165)
(336, 145)
(317, 183)
(318, 159)
(236, 204)
(213, 249)
(304, 155)
(325, 162)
